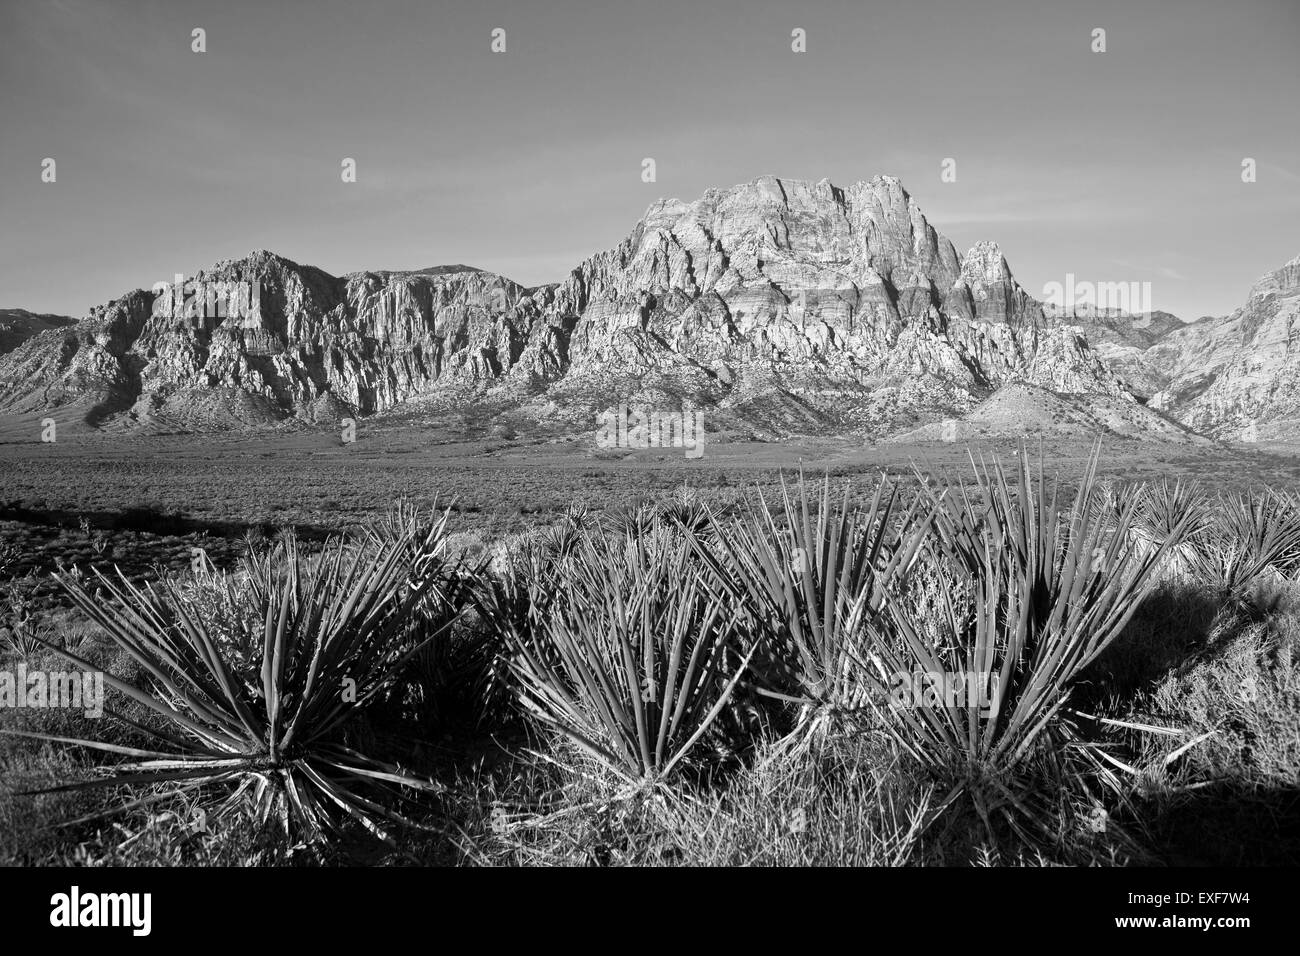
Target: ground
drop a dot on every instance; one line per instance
(141, 501)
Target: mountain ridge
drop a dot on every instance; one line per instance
(842, 307)
(18, 325)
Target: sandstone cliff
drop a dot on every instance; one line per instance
(1229, 373)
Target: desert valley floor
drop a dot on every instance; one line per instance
(224, 483)
(1222, 678)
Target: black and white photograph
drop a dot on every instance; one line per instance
(679, 434)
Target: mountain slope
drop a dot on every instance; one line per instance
(1228, 373)
(1021, 410)
(18, 325)
(1125, 343)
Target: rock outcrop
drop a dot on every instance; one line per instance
(1125, 342)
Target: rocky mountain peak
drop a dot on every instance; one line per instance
(984, 265)
(1282, 280)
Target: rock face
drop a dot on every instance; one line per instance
(1124, 342)
(280, 340)
(796, 305)
(842, 303)
(1230, 374)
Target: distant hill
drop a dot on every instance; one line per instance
(18, 325)
(1017, 410)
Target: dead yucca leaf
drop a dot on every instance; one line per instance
(812, 572)
(636, 656)
(270, 734)
(1049, 588)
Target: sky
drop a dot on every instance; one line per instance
(1115, 166)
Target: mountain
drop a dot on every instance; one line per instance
(789, 305)
(298, 342)
(844, 305)
(1124, 341)
(18, 325)
(1225, 374)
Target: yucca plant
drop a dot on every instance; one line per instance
(633, 662)
(513, 601)
(438, 667)
(559, 541)
(22, 633)
(689, 509)
(1166, 505)
(813, 573)
(1047, 589)
(1108, 500)
(641, 518)
(267, 734)
(1248, 535)
(421, 531)
(24, 639)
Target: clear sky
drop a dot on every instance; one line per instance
(1122, 166)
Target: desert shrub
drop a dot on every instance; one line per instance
(10, 555)
(848, 803)
(845, 804)
(1219, 787)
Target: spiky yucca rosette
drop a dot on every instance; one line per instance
(253, 706)
(1047, 589)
